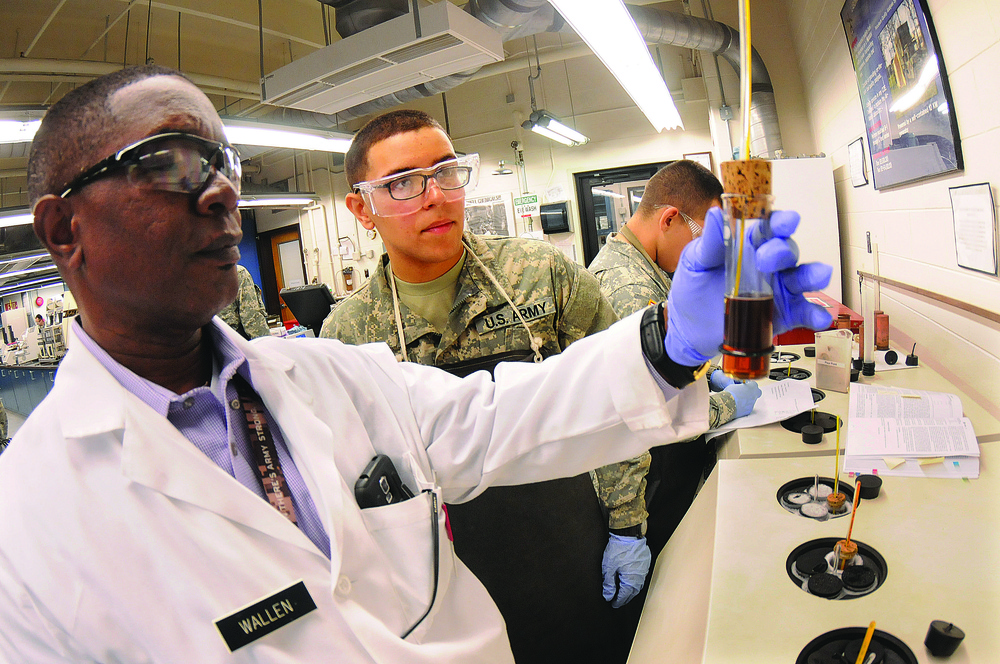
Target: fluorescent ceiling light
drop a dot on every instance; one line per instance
(277, 200)
(17, 217)
(23, 273)
(27, 286)
(612, 35)
(608, 194)
(241, 132)
(544, 123)
(16, 131)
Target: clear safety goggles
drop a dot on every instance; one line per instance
(402, 193)
(696, 230)
(174, 161)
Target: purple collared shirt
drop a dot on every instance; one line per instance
(211, 417)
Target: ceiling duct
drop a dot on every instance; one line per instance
(400, 53)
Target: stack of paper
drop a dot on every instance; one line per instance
(913, 433)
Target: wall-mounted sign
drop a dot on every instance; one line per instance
(909, 115)
(526, 205)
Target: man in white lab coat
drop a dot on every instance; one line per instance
(132, 533)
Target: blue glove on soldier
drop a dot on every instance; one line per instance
(719, 381)
(696, 307)
(626, 560)
(745, 395)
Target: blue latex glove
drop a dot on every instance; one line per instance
(696, 306)
(746, 395)
(626, 559)
(719, 381)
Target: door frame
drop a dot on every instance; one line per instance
(585, 198)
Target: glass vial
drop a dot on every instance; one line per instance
(747, 344)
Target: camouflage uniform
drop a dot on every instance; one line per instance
(246, 313)
(537, 548)
(555, 296)
(631, 281)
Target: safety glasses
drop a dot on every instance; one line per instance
(693, 225)
(174, 161)
(402, 193)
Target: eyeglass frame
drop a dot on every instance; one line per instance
(127, 157)
(469, 161)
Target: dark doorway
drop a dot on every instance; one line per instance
(606, 200)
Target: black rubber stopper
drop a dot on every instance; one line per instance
(810, 351)
(858, 577)
(825, 585)
(853, 648)
(811, 562)
(891, 357)
(912, 360)
(856, 363)
(868, 368)
(812, 434)
(871, 485)
(855, 373)
(943, 638)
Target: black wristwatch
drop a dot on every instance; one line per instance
(653, 331)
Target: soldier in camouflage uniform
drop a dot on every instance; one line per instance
(246, 314)
(634, 269)
(537, 548)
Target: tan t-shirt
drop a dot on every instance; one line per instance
(432, 300)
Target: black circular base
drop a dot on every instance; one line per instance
(850, 588)
(796, 493)
(835, 647)
(825, 420)
(818, 395)
(794, 373)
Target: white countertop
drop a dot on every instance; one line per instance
(720, 592)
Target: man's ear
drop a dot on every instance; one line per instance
(668, 216)
(55, 228)
(356, 204)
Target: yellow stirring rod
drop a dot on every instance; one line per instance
(866, 643)
(836, 461)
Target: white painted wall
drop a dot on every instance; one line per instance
(912, 224)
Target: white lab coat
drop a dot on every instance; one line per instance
(121, 542)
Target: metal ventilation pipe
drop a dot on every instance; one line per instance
(660, 27)
(531, 17)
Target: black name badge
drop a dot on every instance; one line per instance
(265, 615)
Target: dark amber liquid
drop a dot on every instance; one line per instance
(748, 330)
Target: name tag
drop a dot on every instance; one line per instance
(505, 317)
(265, 615)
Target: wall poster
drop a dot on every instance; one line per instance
(909, 116)
(490, 215)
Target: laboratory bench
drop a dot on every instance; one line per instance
(721, 590)
(773, 440)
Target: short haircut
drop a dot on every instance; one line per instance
(684, 184)
(76, 126)
(378, 129)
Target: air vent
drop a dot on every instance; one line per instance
(383, 59)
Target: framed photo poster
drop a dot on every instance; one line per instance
(909, 115)
(490, 215)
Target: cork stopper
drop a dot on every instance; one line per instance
(749, 178)
(836, 502)
(846, 550)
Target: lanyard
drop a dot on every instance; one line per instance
(657, 271)
(265, 453)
